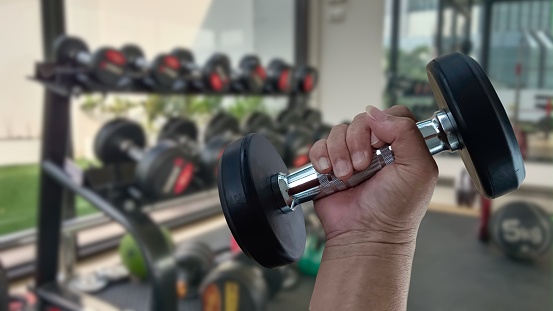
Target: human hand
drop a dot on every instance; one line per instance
(389, 207)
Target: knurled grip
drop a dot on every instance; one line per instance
(330, 184)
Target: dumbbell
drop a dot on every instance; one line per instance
(163, 171)
(522, 230)
(280, 77)
(305, 79)
(314, 120)
(107, 66)
(163, 72)
(194, 260)
(250, 77)
(293, 144)
(261, 200)
(240, 284)
(214, 77)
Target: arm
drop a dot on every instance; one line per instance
(371, 229)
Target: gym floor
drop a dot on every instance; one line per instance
(451, 271)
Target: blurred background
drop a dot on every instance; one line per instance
(354, 53)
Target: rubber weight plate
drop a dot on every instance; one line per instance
(210, 156)
(195, 259)
(178, 127)
(66, 49)
(166, 170)
(522, 230)
(165, 70)
(233, 286)
(253, 215)
(491, 153)
(109, 66)
(221, 123)
(297, 143)
(252, 75)
(107, 143)
(216, 73)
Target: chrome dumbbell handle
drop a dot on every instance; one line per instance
(307, 184)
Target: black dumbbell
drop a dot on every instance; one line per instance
(305, 79)
(254, 184)
(214, 77)
(242, 283)
(313, 119)
(106, 66)
(163, 72)
(163, 171)
(280, 77)
(293, 145)
(250, 77)
(194, 260)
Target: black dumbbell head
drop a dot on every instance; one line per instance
(216, 73)
(252, 212)
(166, 170)
(256, 121)
(107, 143)
(134, 55)
(66, 49)
(185, 56)
(305, 79)
(252, 74)
(166, 70)
(490, 150)
(279, 77)
(312, 117)
(221, 123)
(109, 66)
(178, 127)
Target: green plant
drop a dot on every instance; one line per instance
(119, 107)
(245, 105)
(92, 103)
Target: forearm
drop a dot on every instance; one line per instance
(363, 275)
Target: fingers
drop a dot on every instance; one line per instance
(318, 155)
(338, 152)
(358, 137)
(398, 111)
(402, 134)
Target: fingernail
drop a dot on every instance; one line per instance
(358, 158)
(374, 139)
(341, 169)
(324, 164)
(375, 113)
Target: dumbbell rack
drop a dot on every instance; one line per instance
(61, 83)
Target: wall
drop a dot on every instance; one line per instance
(351, 57)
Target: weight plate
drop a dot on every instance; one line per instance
(297, 143)
(491, 152)
(233, 286)
(257, 121)
(165, 70)
(252, 213)
(252, 75)
(210, 155)
(216, 73)
(279, 77)
(276, 139)
(166, 170)
(221, 123)
(195, 260)
(288, 119)
(135, 57)
(306, 79)
(109, 66)
(273, 277)
(312, 117)
(177, 127)
(107, 143)
(522, 230)
(66, 49)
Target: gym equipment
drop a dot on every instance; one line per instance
(274, 278)
(88, 283)
(213, 77)
(234, 285)
(522, 230)
(163, 72)
(314, 119)
(221, 123)
(305, 79)
(195, 260)
(131, 255)
(279, 77)
(254, 184)
(298, 139)
(250, 78)
(162, 171)
(258, 122)
(107, 66)
(465, 191)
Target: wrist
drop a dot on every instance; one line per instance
(370, 243)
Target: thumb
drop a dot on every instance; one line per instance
(403, 135)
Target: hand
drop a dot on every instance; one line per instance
(389, 207)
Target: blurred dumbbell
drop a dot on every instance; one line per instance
(163, 72)
(194, 260)
(280, 77)
(305, 79)
(250, 76)
(163, 171)
(107, 66)
(214, 77)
